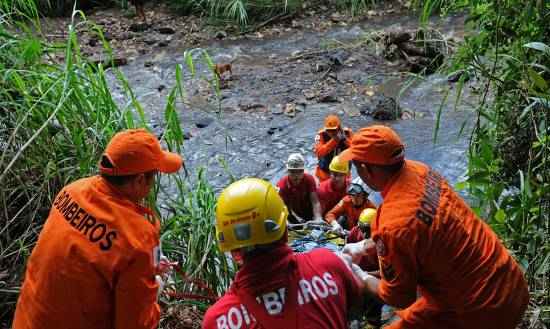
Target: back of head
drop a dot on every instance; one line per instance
(136, 151)
(376, 145)
(336, 165)
(249, 212)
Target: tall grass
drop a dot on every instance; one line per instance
(55, 121)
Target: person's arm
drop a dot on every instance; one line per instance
(323, 148)
(338, 210)
(136, 294)
(398, 268)
(316, 205)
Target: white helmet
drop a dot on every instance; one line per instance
(295, 161)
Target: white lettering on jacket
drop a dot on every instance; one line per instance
(316, 288)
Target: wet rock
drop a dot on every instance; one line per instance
(277, 109)
(166, 30)
(126, 36)
(221, 35)
(164, 43)
(148, 64)
(290, 110)
(350, 109)
(204, 122)
(139, 27)
(338, 57)
(321, 67)
(336, 17)
(108, 36)
(455, 76)
(329, 97)
(187, 135)
(92, 42)
(107, 63)
(161, 88)
(310, 94)
(386, 108)
(149, 42)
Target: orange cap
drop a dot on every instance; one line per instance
(378, 145)
(136, 151)
(332, 122)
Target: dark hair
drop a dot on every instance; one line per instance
(389, 169)
(120, 180)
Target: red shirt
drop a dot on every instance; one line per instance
(329, 196)
(297, 197)
(325, 290)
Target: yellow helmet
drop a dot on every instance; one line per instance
(367, 215)
(249, 212)
(339, 166)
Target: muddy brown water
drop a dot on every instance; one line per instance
(251, 135)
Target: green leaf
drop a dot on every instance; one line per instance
(500, 216)
(538, 46)
(539, 81)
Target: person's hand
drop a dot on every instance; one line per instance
(357, 250)
(336, 228)
(362, 275)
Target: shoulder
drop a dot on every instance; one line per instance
(309, 179)
(282, 182)
(218, 313)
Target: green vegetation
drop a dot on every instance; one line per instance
(250, 12)
(509, 158)
(55, 120)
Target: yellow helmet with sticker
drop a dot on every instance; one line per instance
(367, 215)
(249, 212)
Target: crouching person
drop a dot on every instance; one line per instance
(95, 261)
(274, 287)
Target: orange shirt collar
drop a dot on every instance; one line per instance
(392, 181)
(107, 188)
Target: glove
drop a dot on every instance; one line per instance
(356, 250)
(359, 273)
(336, 228)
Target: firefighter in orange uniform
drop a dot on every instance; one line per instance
(329, 142)
(345, 214)
(429, 240)
(96, 259)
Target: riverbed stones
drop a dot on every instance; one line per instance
(203, 122)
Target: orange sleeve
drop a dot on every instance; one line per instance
(397, 259)
(337, 211)
(136, 294)
(323, 148)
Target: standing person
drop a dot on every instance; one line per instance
(299, 191)
(275, 288)
(96, 259)
(427, 238)
(345, 214)
(329, 142)
(332, 190)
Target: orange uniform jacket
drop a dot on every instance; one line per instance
(94, 264)
(324, 146)
(428, 238)
(345, 207)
